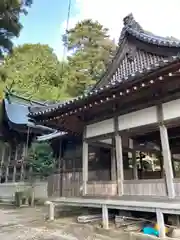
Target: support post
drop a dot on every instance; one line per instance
(22, 161)
(2, 159)
(51, 211)
(166, 152)
(8, 162)
(113, 161)
(119, 159)
(105, 217)
(85, 164)
(167, 161)
(15, 163)
(160, 222)
(135, 171)
(161, 165)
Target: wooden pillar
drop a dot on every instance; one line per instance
(22, 161)
(105, 217)
(2, 159)
(134, 162)
(15, 163)
(161, 165)
(8, 162)
(160, 222)
(85, 164)
(60, 155)
(167, 161)
(119, 159)
(113, 161)
(166, 153)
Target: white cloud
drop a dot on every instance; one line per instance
(158, 16)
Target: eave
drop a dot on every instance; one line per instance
(98, 96)
(125, 96)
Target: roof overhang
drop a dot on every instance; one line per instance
(71, 117)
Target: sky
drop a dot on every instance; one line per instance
(46, 20)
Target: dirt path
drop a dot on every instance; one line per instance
(29, 223)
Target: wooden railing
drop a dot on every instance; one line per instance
(102, 188)
(177, 186)
(152, 187)
(69, 185)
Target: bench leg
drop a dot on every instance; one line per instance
(105, 217)
(51, 211)
(160, 222)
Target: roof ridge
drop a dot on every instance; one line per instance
(132, 27)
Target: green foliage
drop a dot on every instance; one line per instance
(40, 158)
(90, 51)
(35, 70)
(10, 25)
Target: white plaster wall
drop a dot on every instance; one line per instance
(100, 128)
(171, 110)
(138, 118)
(7, 190)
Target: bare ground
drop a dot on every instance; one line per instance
(30, 223)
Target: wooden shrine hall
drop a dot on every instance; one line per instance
(134, 110)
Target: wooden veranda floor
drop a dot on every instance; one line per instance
(135, 198)
(131, 203)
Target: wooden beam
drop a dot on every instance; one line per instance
(101, 145)
(99, 137)
(119, 159)
(85, 164)
(141, 149)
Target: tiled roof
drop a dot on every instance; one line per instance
(133, 28)
(138, 49)
(137, 75)
(140, 61)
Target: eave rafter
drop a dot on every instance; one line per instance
(112, 94)
(71, 124)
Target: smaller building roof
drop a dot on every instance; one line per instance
(16, 111)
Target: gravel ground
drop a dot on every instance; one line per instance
(29, 223)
